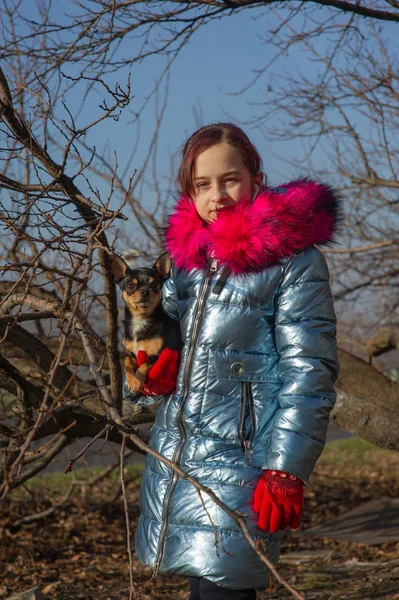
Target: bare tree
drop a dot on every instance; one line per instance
(93, 37)
(58, 312)
(56, 249)
(58, 302)
(57, 294)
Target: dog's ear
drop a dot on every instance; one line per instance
(118, 267)
(163, 265)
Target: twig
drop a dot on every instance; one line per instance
(367, 248)
(19, 318)
(235, 515)
(132, 591)
(218, 537)
(79, 454)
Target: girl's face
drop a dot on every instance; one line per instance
(220, 180)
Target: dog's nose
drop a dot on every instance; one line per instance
(144, 292)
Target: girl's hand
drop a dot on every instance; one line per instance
(279, 500)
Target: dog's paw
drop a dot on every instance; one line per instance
(135, 376)
(134, 383)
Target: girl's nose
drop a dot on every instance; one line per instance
(219, 193)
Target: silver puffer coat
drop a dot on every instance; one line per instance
(255, 384)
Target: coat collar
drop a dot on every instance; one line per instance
(254, 236)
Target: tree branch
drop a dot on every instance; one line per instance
(366, 420)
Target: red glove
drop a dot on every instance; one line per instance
(161, 378)
(278, 499)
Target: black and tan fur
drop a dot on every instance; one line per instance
(147, 325)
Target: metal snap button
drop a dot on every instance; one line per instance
(237, 368)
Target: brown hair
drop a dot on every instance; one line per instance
(205, 138)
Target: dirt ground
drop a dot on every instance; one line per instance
(79, 551)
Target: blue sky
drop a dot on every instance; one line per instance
(219, 59)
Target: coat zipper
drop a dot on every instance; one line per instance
(178, 452)
(246, 440)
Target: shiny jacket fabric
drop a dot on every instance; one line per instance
(255, 384)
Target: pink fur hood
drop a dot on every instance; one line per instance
(254, 236)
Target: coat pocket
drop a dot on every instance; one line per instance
(246, 421)
(253, 367)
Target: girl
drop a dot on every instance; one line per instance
(255, 387)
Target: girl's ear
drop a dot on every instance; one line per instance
(255, 192)
(257, 184)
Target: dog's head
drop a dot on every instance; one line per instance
(141, 287)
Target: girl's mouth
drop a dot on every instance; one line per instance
(222, 208)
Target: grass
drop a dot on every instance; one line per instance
(348, 449)
(311, 581)
(59, 481)
(356, 455)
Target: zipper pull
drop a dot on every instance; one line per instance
(247, 452)
(214, 265)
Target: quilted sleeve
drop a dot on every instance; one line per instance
(308, 366)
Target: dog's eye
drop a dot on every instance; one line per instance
(129, 288)
(155, 286)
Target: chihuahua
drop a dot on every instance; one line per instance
(148, 328)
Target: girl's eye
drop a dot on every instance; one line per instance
(201, 185)
(231, 180)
